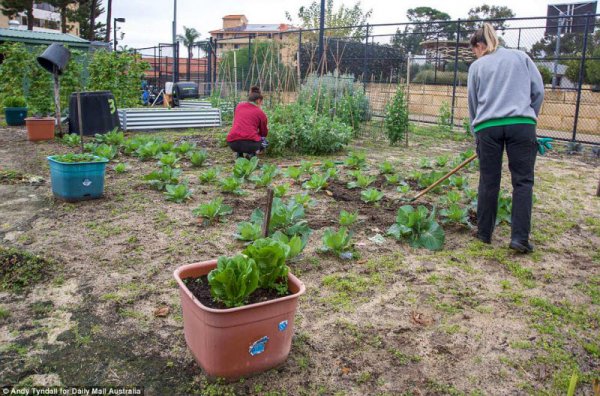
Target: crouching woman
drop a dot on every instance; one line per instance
(247, 136)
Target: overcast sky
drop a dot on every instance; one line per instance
(149, 21)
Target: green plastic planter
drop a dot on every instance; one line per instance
(15, 116)
(77, 181)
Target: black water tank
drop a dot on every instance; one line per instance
(186, 90)
(98, 111)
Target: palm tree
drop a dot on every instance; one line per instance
(188, 39)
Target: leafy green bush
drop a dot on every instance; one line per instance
(14, 101)
(418, 227)
(335, 95)
(299, 129)
(440, 77)
(118, 72)
(233, 280)
(396, 117)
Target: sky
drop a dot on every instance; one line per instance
(149, 22)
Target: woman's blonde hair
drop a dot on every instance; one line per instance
(486, 35)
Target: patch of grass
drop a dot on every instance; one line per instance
(521, 344)
(4, 313)
(348, 287)
(20, 270)
(591, 288)
(41, 309)
(594, 224)
(403, 358)
(364, 377)
(451, 329)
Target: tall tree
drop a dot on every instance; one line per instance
(86, 15)
(108, 20)
(497, 14)
(64, 10)
(429, 24)
(348, 17)
(189, 38)
(11, 8)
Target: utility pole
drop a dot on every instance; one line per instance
(557, 50)
(321, 33)
(175, 61)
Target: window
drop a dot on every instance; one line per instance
(236, 46)
(269, 35)
(219, 35)
(221, 46)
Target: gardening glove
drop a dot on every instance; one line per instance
(544, 144)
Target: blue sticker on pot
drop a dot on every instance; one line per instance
(283, 325)
(259, 346)
(87, 182)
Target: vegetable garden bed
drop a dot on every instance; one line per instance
(389, 318)
(160, 118)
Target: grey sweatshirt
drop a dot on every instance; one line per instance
(505, 83)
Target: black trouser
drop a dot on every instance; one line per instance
(242, 147)
(521, 148)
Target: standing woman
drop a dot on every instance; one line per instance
(505, 92)
(249, 130)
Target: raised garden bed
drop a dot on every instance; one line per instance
(160, 118)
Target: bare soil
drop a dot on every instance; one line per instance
(470, 319)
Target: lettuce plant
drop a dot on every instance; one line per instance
(293, 173)
(392, 179)
(163, 177)
(213, 210)
(208, 176)
(306, 167)
(317, 182)
(362, 181)
(248, 231)
(270, 256)
(184, 148)
(403, 188)
(120, 168)
(332, 173)
(267, 175)
(234, 279)
(178, 193)
(452, 197)
(371, 195)
(337, 242)
(244, 167)
(356, 160)
(419, 227)
(112, 138)
(168, 159)
(295, 243)
(304, 200)
(329, 164)
(425, 163)
(71, 140)
(442, 160)
(281, 189)
(504, 212)
(148, 150)
(347, 218)
(198, 157)
(455, 214)
(285, 217)
(231, 185)
(106, 151)
(386, 168)
(459, 182)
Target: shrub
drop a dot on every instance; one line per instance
(396, 117)
(118, 72)
(443, 78)
(300, 129)
(15, 101)
(546, 74)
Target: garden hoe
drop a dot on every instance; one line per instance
(447, 175)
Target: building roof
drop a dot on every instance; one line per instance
(37, 37)
(234, 16)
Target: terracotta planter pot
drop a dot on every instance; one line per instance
(235, 342)
(40, 128)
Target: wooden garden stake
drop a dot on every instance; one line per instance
(598, 189)
(57, 100)
(80, 120)
(267, 219)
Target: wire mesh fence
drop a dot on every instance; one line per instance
(430, 61)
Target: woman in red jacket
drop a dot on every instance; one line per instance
(249, 130)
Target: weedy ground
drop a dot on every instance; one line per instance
(471, 319)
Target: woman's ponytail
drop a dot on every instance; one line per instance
(486, 35)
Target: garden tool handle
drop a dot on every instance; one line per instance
(447, 175)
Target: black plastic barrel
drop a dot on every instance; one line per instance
(186, 90)
(54, 56)
(98, 111)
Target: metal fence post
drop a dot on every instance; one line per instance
(216, 62)
(208, 78)
(249, 62)
(581, 70)
(455, 73)
(299, 56)
(176, 62)
(365, 61)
